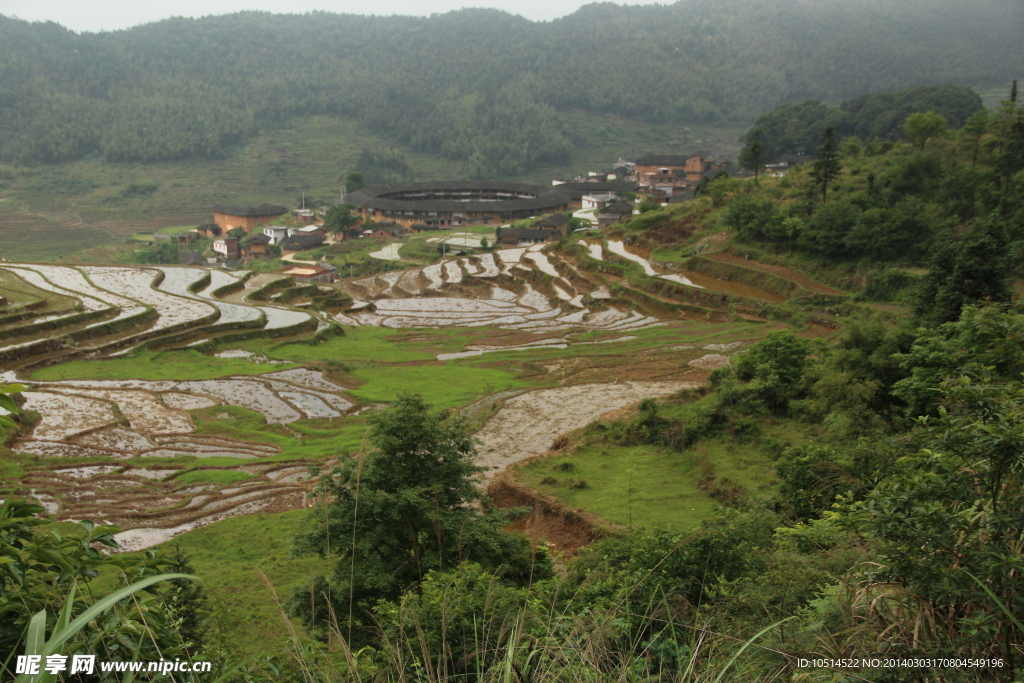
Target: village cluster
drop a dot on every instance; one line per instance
(394, 211)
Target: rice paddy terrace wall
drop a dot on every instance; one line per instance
(133, 451)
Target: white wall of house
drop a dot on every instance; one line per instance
(597, 201)
(276, 233)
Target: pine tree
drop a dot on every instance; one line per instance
(826, 163)
(186, 601)
(753, 154)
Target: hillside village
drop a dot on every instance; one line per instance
(237, 236)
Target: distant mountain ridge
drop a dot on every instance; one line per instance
(476, 85)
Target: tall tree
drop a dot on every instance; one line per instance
(753, 154)
(354, 181)
(949, 518)
(970, 270)
(923, 126)
(410, 506)
(340, 218)
(826, 163)
(973, 130)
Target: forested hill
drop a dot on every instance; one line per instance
(477, 85)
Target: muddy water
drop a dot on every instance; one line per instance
(527, 424)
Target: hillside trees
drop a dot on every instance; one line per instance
(795, 128)
(753, 154)
(401, 511)
(826, 162)
(967, 270)
(949, 518)
(463, 83)
(923, 126)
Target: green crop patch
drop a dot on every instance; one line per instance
(646, 486)
(212, 477)
(155, 365)
(300, 440)
(371, 344)
(444, 385)
(229, 562)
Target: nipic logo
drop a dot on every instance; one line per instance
(86, 664)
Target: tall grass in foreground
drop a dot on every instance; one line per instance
(436, 637)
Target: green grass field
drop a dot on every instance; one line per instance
(212, 477)
(647, 486)
(229, 555)
(160, 365)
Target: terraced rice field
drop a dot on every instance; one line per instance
(141, 453)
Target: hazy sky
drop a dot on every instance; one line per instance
(100, 15)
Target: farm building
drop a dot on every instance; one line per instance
(226, 248)
(672, 170)
(556, 222)
(619, 212)
(210, 230)
(389, 230)
(524, 237)
(254, 246)
(301, 242)
(191, 258)
(247, 218)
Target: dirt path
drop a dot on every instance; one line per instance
(782, 271)
(527, 424)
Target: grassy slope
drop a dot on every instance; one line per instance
(648, 486)
(228, 560)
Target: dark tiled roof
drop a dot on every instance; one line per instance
(576, 190)
(251, 211)
(191, 258)
(436, 196)
(255, 238)
(525, 233)
(392, 228)
(300, 242)
(552, 221)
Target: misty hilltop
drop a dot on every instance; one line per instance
(481, 86)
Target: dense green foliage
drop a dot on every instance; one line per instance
(475, 85)
(42, 567)
(400, 511)
(795, 128)
(952, 205)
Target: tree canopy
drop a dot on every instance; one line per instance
(796, 128)
(410, 506)
(483, 86)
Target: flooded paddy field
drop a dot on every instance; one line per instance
(529, 343)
